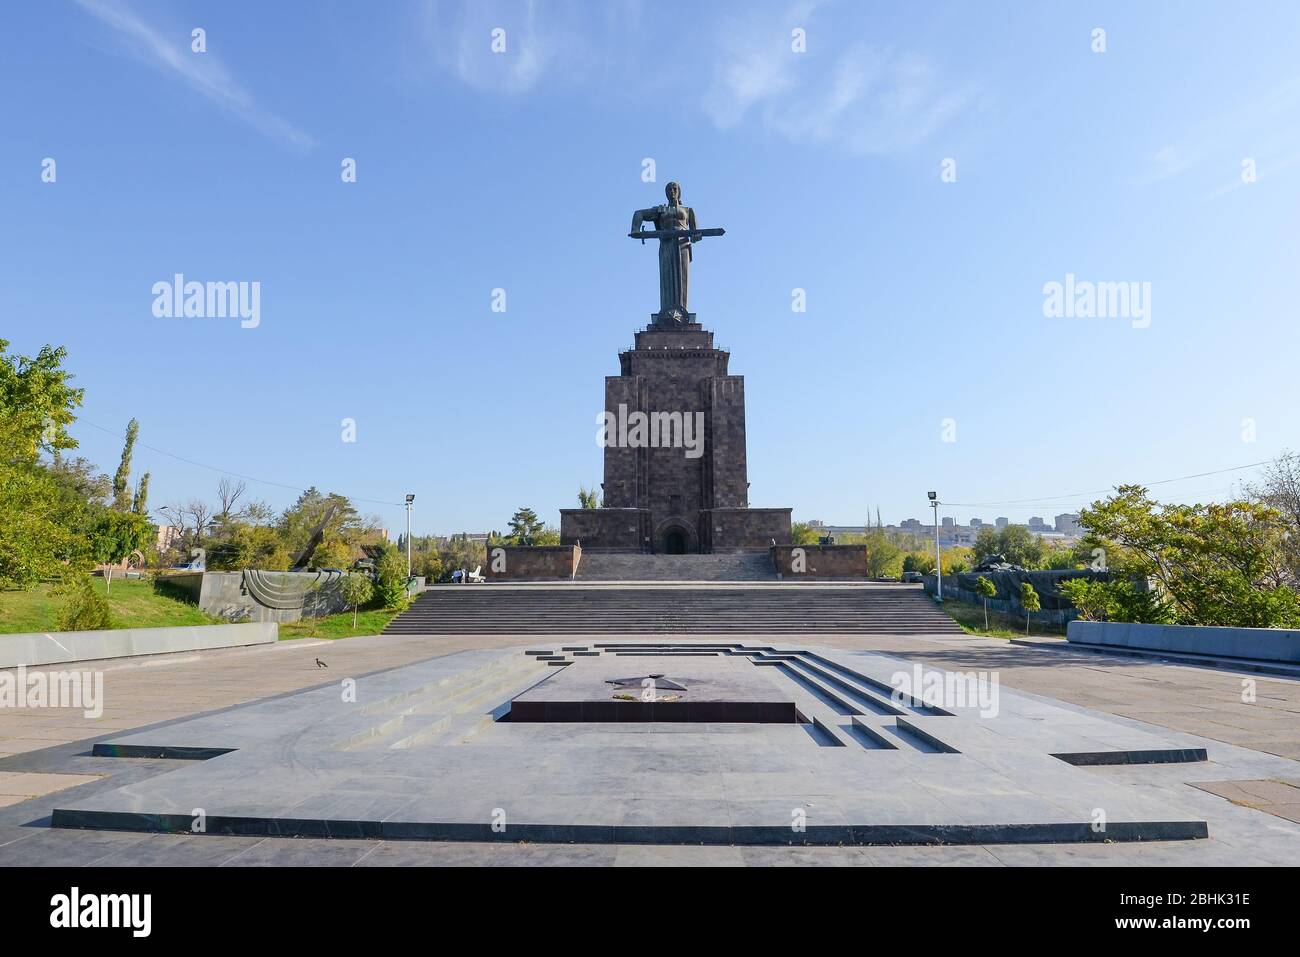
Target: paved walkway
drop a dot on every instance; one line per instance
(43, 751)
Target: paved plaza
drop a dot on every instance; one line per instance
(1240, 791)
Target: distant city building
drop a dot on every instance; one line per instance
(1067, 523)
(950, 534)
(1036, 523)
(168, 535)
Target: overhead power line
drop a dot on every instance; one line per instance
(231, 472)
(1047, 499)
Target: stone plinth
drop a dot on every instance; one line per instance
(820, 561)
(531, 562)
(682, 484)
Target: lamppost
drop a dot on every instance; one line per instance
(938, 559)
(409, 500)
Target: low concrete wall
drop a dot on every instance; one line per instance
(60, 647)
(1261, 644)
(531, 562)
(820, 561)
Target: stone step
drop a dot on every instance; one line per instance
(568, 609)
(741, 566)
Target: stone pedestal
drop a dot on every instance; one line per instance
(675, 470)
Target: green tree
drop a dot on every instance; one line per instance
(82, 608)
(41, 516)
(801, 533)
(37, 404)
(340, 518)
(884, 558)
(1060, 557)
(456, 552)
(922, 562)
(957, 560)
(525, 526)
(356, 590)
(40, 525)
(1029, 601)
(986, 590)
(140, 503)
(1279, 488)
(986, 543)
(1219, 564)
(336, 553)
(1020, 546)
(114, 536)
(249, 546)
(122, 479)
(1091, 599)
(588, 497)
(390, 576)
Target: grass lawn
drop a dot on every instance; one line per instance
(132, 603)
(339, 626)
(970, 617)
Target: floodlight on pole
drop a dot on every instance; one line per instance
(938, 558)
(409, 500)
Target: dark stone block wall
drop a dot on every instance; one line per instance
(658, 499)
(620, 529)
(530, 562)
(745, 529)
(821, 561)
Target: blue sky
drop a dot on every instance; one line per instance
(520, 171)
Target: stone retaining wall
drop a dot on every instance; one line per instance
(1261, 644)
(60, 647)
(531, 562)
(255, 595)
(820, 561)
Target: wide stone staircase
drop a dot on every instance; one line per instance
(707, 610)
(638, 567)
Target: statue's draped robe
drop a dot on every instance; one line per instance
(674, 260)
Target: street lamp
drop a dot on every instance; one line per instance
(938, 559)
(409, 500)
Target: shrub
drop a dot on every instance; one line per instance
(1119, 600)
(83, 608)
(390, 577)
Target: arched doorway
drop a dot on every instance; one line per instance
(675, 536)
(675, 542)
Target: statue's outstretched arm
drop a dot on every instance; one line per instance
(640, 216)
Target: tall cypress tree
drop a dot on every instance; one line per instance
(121, 481)
(140, 505)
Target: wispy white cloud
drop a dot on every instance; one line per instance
(864, 99)
(738, 72)
(460, 38)
(1170, 161)
(203, 72)
(1261, 128)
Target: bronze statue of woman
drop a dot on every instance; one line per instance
(678, 223)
